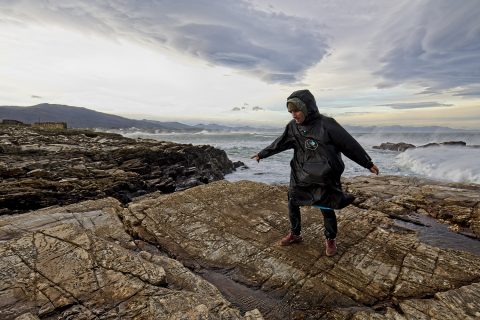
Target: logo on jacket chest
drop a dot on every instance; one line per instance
(311, 144)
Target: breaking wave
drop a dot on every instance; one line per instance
(457, 164)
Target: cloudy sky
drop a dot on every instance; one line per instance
(382, 62)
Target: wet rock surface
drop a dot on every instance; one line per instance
(454, 203)
(40, 168)
(382, 270)
(401, 146)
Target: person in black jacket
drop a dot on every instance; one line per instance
(317, 165)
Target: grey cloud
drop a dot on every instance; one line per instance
(353, 113)
(469, 91)
(429, 92)
(344, 107)
(35, 97)
(236, 109)
(435, 44)
(416, 105)
(279, 77)
(257, 108)
(272, 46)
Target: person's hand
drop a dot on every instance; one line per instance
(256, 157)
(374, 169)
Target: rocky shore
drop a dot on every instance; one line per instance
(211, 251)
(40, 168)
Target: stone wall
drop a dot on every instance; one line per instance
(50, 125)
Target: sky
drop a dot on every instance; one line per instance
(403, 62)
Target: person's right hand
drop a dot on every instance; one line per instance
(374, 169)
(256, 157)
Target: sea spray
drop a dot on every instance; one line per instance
(458, 164)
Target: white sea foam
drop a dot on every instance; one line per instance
(203, 132)
(457, 164)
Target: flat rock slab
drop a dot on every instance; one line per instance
(455, 203)
(77, 262)
(381, 270)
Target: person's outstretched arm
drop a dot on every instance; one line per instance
(347, 145)
(282, 143)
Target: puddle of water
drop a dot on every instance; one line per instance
(437, 234)
(245, 298)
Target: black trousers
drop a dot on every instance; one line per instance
(329, 220)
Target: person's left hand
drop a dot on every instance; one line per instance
(374, 169)
(255, 157)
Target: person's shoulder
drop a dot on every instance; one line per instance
(289, 127)
(290, 124)
(322, 120)
(329, 121)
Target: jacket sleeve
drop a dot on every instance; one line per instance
(282, 143)
(347, 145)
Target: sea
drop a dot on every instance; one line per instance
(443, 163)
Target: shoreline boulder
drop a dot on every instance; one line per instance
(402, 146)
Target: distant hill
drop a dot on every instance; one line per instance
(78, 117)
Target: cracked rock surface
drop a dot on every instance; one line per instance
(382, 270)
(77, 262)
(454, 203)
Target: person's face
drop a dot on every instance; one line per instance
(298, 116)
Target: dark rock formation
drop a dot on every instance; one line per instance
(447, 143)
(40, 168)
(239, 164)
(402, 146)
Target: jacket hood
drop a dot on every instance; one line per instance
(309, 100)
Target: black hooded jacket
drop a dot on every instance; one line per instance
(317, 162)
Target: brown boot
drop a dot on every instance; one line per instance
(290, 239)
(330, 247)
